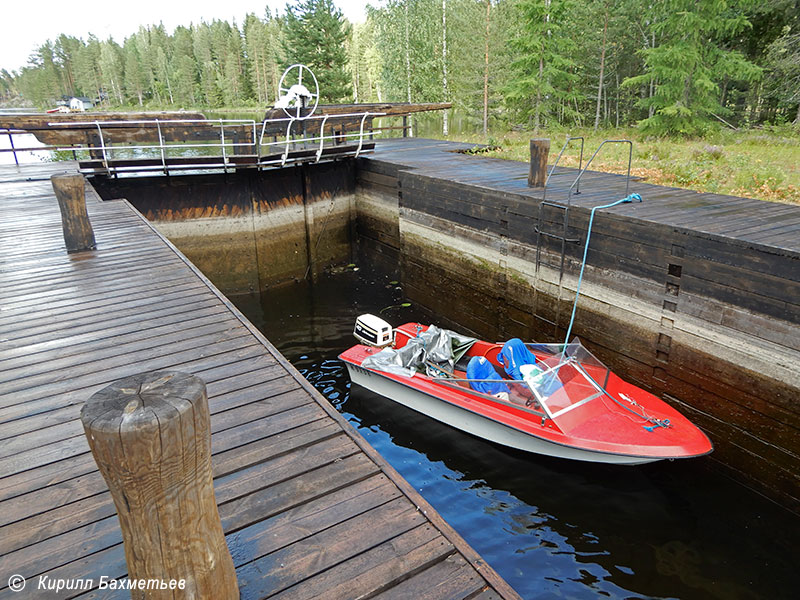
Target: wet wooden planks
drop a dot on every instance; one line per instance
(308, 508)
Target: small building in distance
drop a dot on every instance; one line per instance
(80, 103)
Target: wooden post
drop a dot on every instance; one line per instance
(151, 438)
(70, 191)
(538, 170)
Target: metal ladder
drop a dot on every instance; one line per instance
(561, 236)
(562, 233)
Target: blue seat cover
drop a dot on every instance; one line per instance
(513, 355)
(480, 368)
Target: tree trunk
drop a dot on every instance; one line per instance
(486, 73)
(724, 99)
(538, 97)
(652, 110)
(275, 80)
(445, 128)
(259, 90)
(797, 118)
(602, 70)
(408, 70)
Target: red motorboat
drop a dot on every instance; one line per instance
(552, 399)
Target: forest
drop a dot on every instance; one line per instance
(670, 67)
(709, 90)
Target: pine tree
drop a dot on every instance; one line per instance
(229, 53)
(208, 67)
(65, 50)
(136, 81)
(466, 63)
(88, 77)
(40, 81)
(185, 72)
(161, 57)
(316, 33)
(256, 48)
(111, 66)
(8, 86)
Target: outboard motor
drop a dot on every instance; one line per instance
(373, 331)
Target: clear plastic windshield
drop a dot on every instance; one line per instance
(565, 380)
(561, 381)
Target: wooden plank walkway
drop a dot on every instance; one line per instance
(746, 220)
(310, 510)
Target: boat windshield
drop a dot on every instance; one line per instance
(565, 378)
(562, 380)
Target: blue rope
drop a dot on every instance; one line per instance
(627, 199)
(656, 424)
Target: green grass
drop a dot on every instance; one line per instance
(763, 164)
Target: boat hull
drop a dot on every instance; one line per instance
(478, 425)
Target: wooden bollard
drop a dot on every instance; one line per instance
(150, 435)
(537, 176)
(70, 191)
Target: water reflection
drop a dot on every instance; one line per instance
(551, 528)
(23, 157)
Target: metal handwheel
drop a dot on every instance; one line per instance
(297, 92)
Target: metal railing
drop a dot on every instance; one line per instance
(107, 148)
(11, 133)
(289, 141)
(220, 150)
(577, 181)
(558, 159)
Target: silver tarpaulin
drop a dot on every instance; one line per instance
(432, 349)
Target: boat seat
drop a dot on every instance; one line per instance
(463, 363)
(489, 381)
(513, 355)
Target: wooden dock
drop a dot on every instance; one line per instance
(309, 509)
(769, 224)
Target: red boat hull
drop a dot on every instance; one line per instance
(602, 430)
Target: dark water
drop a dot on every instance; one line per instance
(551, 528)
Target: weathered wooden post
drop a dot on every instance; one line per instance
(537, 176)
(151, 438)
(70, 191)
